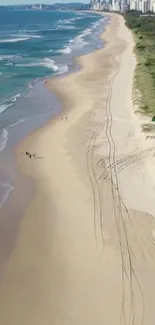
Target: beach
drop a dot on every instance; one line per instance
(85, 246)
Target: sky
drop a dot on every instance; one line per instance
(12, 2)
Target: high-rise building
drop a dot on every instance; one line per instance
(142, 5)
(132, 5)
(112, 5)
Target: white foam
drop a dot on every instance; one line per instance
(8, 104)
(45, 63)
(86, 32)
(3, 107)
(32, 64)
(65, 27)
(62, 69)
(66, 21)
(14, 98)
(26, 36)
(8, 188)
(30, 86)
(97, 23)
(9, 64)
(14, 40)
(3, 139)
(16, 123)
(65, 50)
(65, 24)
(72, 19)
(50, 64)
(79, 41)
(8, 57)
(39, 30)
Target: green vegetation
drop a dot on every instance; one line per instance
(143, 28)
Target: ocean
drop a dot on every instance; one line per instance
(35, 45)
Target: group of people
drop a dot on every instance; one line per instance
(30, 155)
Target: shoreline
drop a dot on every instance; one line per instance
(85, 242)
(12, 144)
(26, 167)
(51, 84)
(21, 183)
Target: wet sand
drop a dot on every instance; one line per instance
(85, 248)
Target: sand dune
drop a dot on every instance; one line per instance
(85, 249)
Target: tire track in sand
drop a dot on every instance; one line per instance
(127, 272)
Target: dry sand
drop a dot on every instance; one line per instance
(85, 252)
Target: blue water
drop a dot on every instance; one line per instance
(35, 45)
(29, 42)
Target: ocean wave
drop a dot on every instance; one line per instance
(9, 64)
(8, 57)
(44, 63)
(8, 188)
(14, 98)
(65, 24)
(16, 123)
(66, 50)
(79, 41)
(86, 32)
(50, 64)
(32, 64)
(43, 31)
(14, 40)
(30, 86)
(9, 103)
(68, 21)
(62, 69)
(97, 23)
(25, 35)
(3, 107)
(65, 21)
(59, 69)
(63, 27)
(3, 139)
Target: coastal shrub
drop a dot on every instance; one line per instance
(143, 28)
(140, 47)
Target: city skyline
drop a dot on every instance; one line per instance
(143, 6)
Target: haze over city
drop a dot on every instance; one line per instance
(17, 2)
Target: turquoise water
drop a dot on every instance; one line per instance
(29, 42)
(35, 45)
